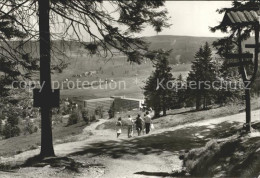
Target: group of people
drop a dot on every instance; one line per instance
(141, 124)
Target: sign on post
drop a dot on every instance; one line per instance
(252, 46)
(235, 60)
(46, 99)
(237, 56)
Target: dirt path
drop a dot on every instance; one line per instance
(154, 154)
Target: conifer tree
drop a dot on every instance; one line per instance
(74, 20)
(180, 92)
(201, 77)
(158, 89)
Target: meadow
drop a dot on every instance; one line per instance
(124, 78)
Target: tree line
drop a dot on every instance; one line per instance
(209, 82)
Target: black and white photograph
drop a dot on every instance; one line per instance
(129, 88)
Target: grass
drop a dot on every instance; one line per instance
(23, 143)
(183, 115)
(117, 69)
(234, 156)
(63, 134)
(187, 115)
(205, 161)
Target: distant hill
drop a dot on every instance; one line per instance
(184, 47)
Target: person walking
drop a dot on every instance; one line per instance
(139, 124)
(144, 125)
(148, 121)
(130, 126)
(119, 127)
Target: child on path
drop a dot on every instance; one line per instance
(119, 127)
(139, 124)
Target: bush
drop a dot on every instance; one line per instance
(85, 116)
(30, 128)
(88, 117)
(99, 111)
(197, 160)
(36, 129)
(57, 118)
(74, 117)
(13, 120)
(93, 118)
(11, 131)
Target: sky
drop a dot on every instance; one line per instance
(188, 18)
(192, 18)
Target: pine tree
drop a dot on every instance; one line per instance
(76, 18)
(158, 88)
(180, 92)
(11, 128)
(12, 60)
(201, 78)
(9, 74)
(227, 75)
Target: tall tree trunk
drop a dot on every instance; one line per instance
(248, 110)
(156, 112)
(204, 103)
(45, 79)
(164, 111)
(198, 102)
(164, 106)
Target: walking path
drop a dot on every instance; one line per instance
(154, 154)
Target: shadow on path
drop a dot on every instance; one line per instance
(176, 140)
(157, 174)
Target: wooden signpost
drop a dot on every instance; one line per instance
(241, 60)
(233, 18)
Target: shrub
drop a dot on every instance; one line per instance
(57, 118)
(7, 131)
(74, 117)
(111, 113)
(85, 116)
(36, 129)
(89, 117)
(99, 111)
(12, 120)
(197, 160)
(93, 118)
(30, 128)
(11, 131)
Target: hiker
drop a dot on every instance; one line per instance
(144, 129)
(130, 126)
(148, 121)
(119, 127)
(139, 124)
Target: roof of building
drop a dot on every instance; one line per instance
(117, 97)
(99, 99)
(133, 99)
(241, 16)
